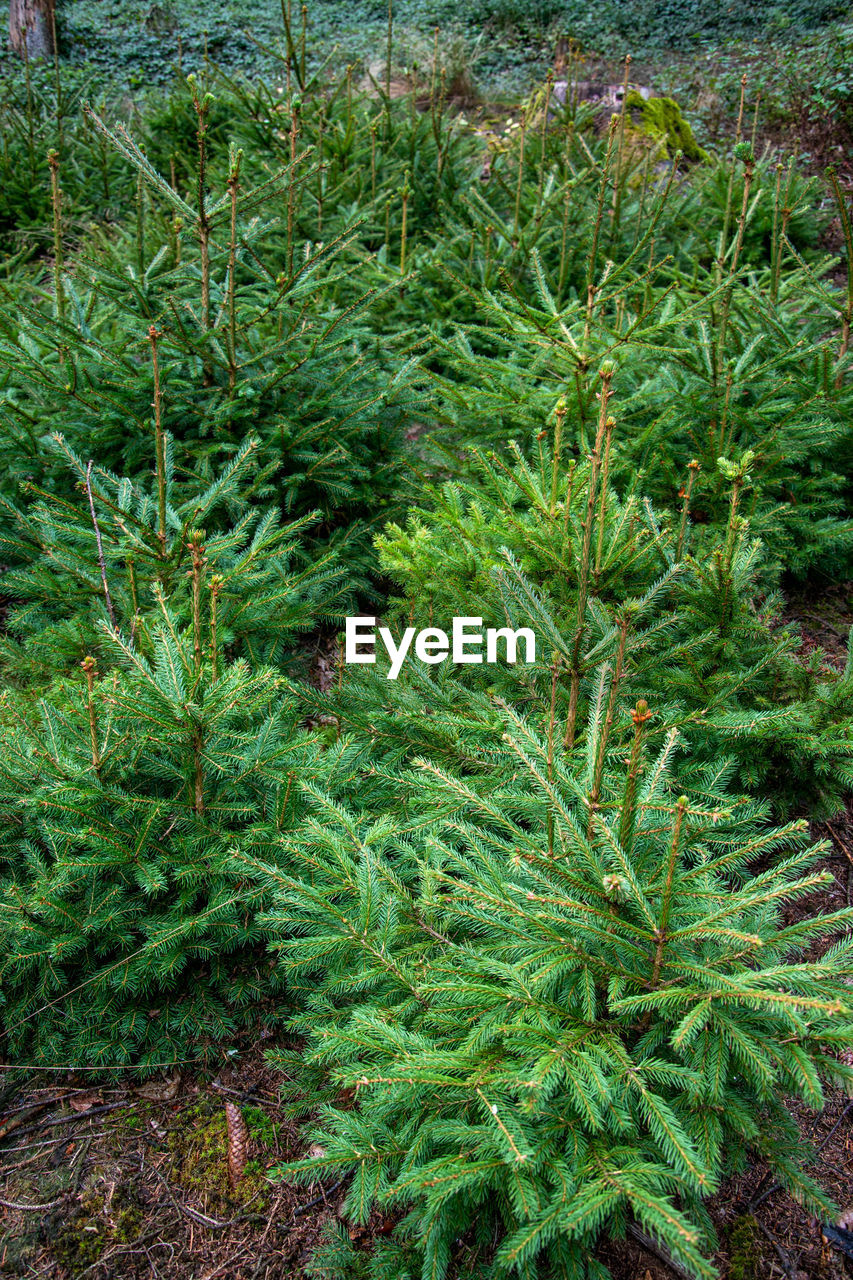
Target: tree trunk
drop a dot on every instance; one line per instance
(31, 27)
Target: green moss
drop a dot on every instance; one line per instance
(89, 1229)
(744, 1250)
(83, 1237)
(128, 1222)
(661, 120)
(199, 1150)
(262, 1128)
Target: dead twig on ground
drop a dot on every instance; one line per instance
(782, 1254)
(215, 1224)
(76, 1115)
(246, 1095)
(21, 1119)
(20, 1207)
(660, 1251)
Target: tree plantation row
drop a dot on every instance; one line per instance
(534, 937)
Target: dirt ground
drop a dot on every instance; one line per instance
(134, 1182)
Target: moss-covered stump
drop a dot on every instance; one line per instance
(661, 122)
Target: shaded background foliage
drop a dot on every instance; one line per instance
(126, 42)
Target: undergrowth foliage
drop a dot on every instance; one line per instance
(273, 354)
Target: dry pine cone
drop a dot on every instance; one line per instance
(238, 1143)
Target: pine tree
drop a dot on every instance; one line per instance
(707, 296)
(213, 314)
(679, 613)
(556, 1006)
(108, 558)
(128, 938)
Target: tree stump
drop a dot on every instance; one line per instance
(31, 27)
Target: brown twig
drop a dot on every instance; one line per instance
(201, 1218)
(77, 1115)
(660, 1251)
(34, 1105)
(321, 1198)
(827, 626)
(245, 1095)
(30, 1111)
(220, 1267)
(782, 1254)
(30, 1208)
